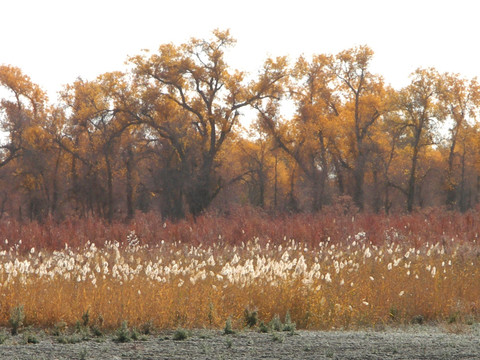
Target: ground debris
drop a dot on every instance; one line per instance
(414, 342)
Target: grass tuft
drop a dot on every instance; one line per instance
(228, 330)
(123, 333)
(17, 317)
(180, 334)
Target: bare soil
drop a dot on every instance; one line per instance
(412, 342)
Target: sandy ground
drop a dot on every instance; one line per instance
(413, 342)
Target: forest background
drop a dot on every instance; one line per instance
(167, 136)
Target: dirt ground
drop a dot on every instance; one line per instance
(413, 342)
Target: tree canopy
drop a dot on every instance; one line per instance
(168, 135)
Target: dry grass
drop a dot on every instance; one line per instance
(335, 272)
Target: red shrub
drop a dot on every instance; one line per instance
(245, 224)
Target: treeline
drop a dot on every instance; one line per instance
(166, 136)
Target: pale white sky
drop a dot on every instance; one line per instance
(55, 41)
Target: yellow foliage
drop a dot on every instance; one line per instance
(343, 286)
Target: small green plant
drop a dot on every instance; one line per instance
(147, 328)
(454, 317)
(73, 339)
(100, 320)
(289, 325)
(206, 349)
(211, 311)
(418, 319)
(83, 332)
(59, 328)
(78, 326)
(3, 337)
(229, 343)
(251, 317)
(96, 331)
(263, 328)
(180, 334)
(278, 337)
(86, 317)
(17, 317)
(123, 333)
(276, 323)
(83, 354)
(204, 336)
(228, 327)
(30, 338)
(96, 327)
(62, 339)
(135, 335)
(393, 313)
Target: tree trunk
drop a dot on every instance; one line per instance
(74, 190)
(261, 188)
(463, 202)
(340, 181)
(201, 189)
(412, 181)
(109, 199)
(276, 183)
(477, 195)
(449, 181)
(129, 186)
(376, 196)
(359, 176)
(316, 192)
(387, 202)
(292, 204)
(413, 169)
(320, 176)
(55, 191)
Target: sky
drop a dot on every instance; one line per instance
(56, 41)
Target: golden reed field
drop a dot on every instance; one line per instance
(328, 270)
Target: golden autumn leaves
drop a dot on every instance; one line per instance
(171, 127)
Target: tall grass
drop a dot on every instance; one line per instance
(328, 270)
